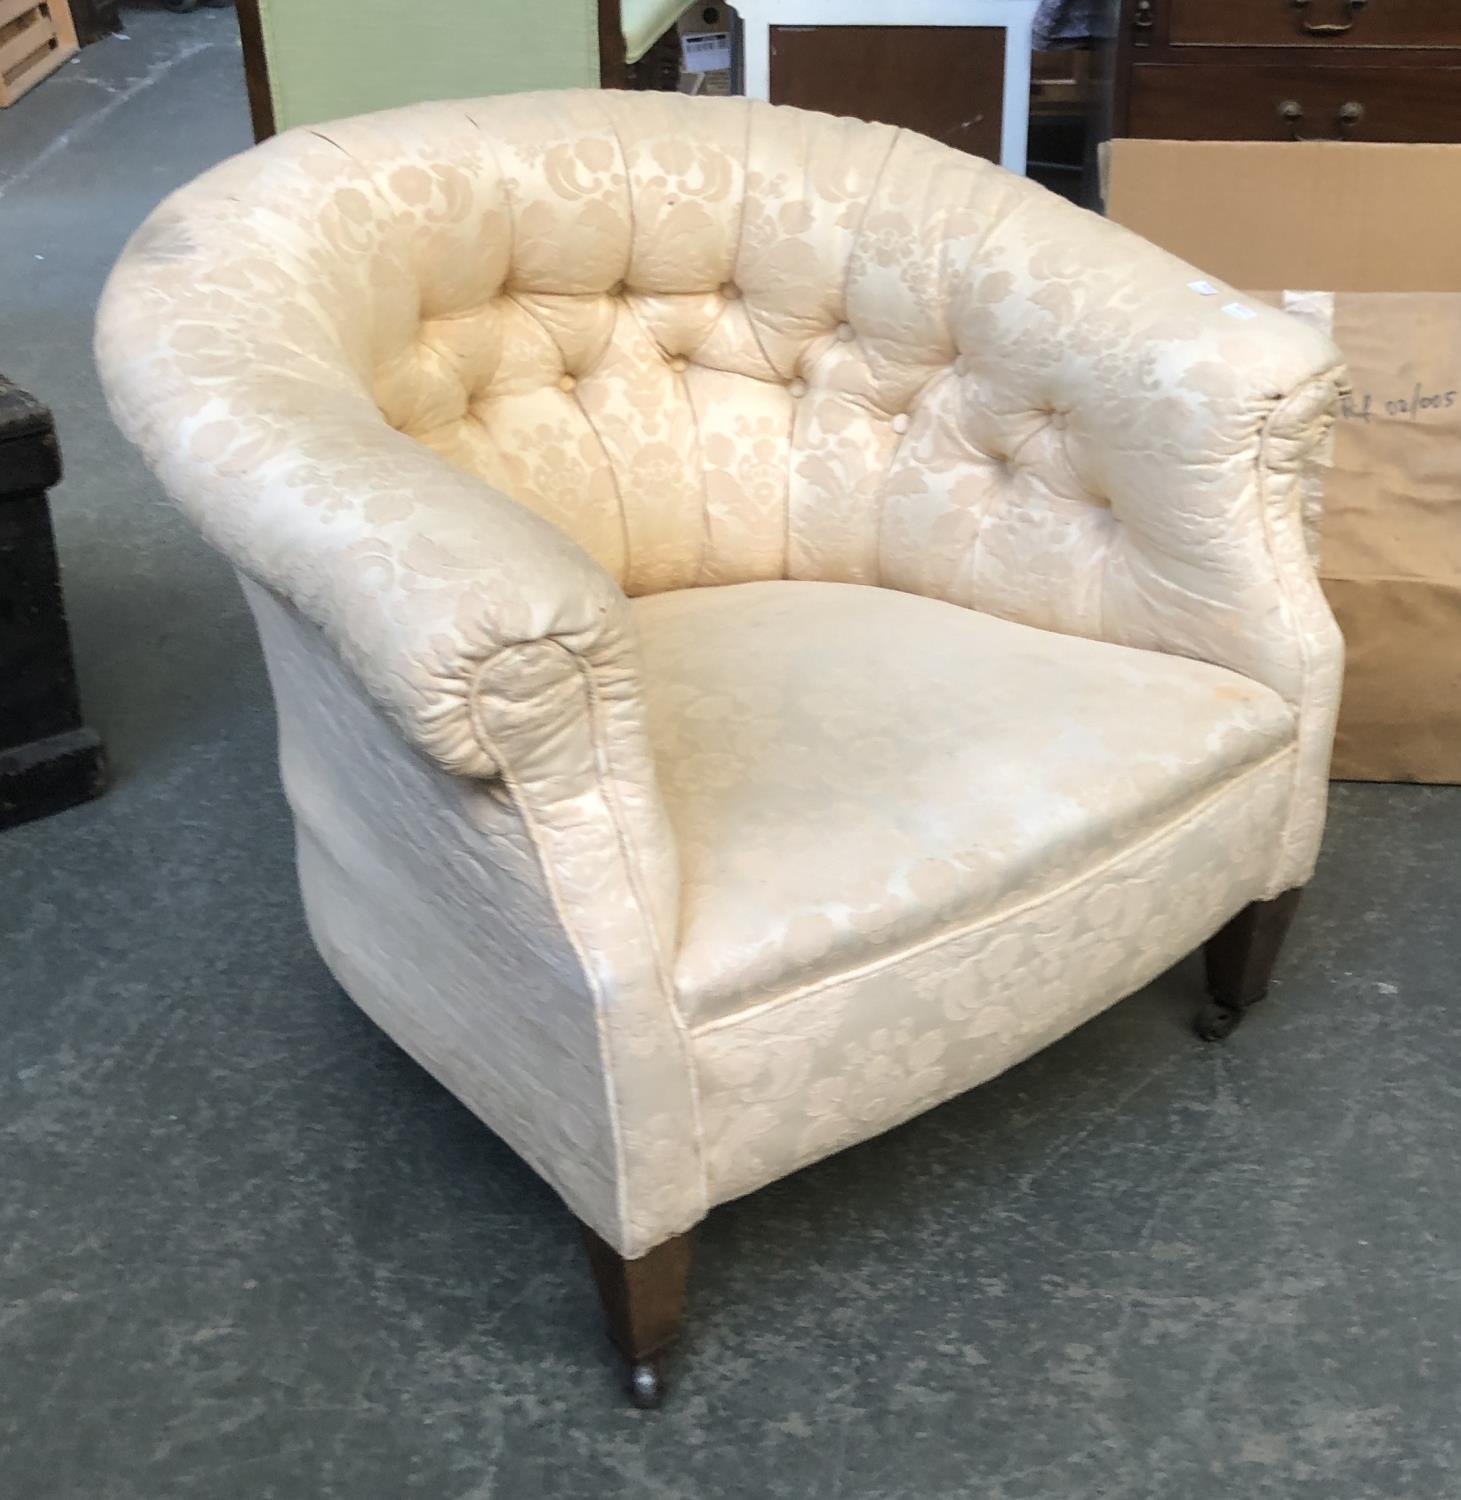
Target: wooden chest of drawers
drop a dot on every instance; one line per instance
(1365, 70)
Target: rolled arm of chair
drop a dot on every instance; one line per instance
(494, 642)
(436, 590)
(242, 369)
(1212, 469)
(1187, 413)
(1193, 418)
(1227, 573)
(1212, 473)
(1209, 464)
(477, 626)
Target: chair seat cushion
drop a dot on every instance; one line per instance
(851, 770)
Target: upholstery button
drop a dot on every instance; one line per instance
(617, 290)
(845, 333)
(679, 363)
(567, 383)
(797, 388)
(900, 422)
(730, 291)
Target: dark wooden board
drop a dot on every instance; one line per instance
(943, 81)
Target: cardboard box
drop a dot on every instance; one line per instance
(1367, 240)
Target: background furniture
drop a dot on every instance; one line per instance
(956, 70)
(773, 620)
(643, 22)
(36, 37)
(1386, 70)
(640, 40)
(313, 60)
(1074, 23)
(49, 760)
(1070, 116)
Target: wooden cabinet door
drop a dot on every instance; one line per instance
(943, 81)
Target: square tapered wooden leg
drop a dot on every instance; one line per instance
(644, 1300)
(1240, 959)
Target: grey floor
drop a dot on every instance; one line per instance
(248, 1250)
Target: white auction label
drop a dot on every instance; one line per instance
(709, 52)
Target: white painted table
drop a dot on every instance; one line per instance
(1014, 17)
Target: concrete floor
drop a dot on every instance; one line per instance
(248, 1250)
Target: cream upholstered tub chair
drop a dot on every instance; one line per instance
(773, 620)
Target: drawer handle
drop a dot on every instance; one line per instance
(1291, 112)
(1142, 18)
(1328, 28)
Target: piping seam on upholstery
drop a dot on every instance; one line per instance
(1285, 586)
(590, 974)
(867, 204)
(776, 378)
(881, 497)
(491, 148)
(993, 919)
(745, 194)
(628, 855)
(578, 399)
(699, 573)
(975, 257)
(628, 188)
(593, 427)
(776, 374)
(703, 564)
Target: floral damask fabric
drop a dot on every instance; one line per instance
(812, 1070)
(454, 384)
(441, 911)
(850, 770)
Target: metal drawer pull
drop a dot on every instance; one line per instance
(1328, 28)
(1291, 112)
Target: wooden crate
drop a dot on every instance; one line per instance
(36, 37)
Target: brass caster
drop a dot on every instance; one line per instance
(646, 1384)
(1215, 1023)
